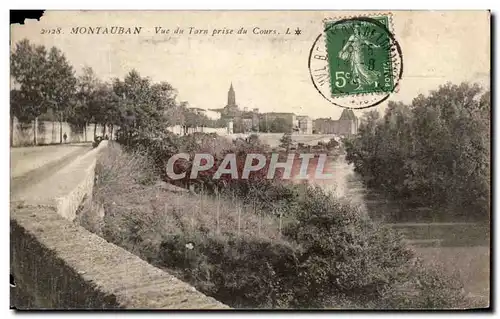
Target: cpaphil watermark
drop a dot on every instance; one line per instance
(296, 166)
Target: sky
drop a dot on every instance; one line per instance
(268, 71)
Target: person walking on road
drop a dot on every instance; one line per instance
(65, 137)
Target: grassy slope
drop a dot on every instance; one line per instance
(141, 215)
(470, 264)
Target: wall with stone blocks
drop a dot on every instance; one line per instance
(58, 264)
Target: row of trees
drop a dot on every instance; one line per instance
(46, 83)
(43, 80)
(435, 151)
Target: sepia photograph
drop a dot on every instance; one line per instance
(227, 160)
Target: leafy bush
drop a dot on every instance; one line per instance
(325, 253)
(332, 144)
(286, 141)
(344, 252)
(97, 141)
(329, 254)
(243, 272)
(435, 151)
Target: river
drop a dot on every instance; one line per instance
(417, 222)
(348, 185)
(461, 248)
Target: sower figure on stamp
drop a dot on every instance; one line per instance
(353, 53)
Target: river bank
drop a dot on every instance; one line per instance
(314, 250)
(460, 248)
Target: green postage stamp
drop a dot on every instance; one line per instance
(359, 57)
(356, 62)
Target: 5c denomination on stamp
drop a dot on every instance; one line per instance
(356, 62)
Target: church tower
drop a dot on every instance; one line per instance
(350, 121)
(231, 97)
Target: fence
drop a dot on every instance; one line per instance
(48, 132)
(178, 129)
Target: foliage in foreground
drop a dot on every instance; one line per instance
(435, 152)
(328, 253)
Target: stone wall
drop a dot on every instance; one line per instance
(58, 264)
(339, 127)
(273, 139)
(49, 133)
(177, 129)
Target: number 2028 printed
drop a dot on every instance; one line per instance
(51, 31)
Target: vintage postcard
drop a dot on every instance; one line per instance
(250, 159)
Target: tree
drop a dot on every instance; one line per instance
(238, 126)
(84, 108)
(280, 125)
(163, 97)
(114, 111)
(143, 106)
(17, 109)
(264, 125)
(108, 107)
(332, 144)
(286, 141)
(61, 86)
(191, 119)
(253, 140)
(28, 66)
(434, 152)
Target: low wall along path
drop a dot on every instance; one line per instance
(57, 264)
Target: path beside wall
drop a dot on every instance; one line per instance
(49, 133)
(58, 264)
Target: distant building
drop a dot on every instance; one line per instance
(255, 121)
(198, 110)
(231, 97)
(305, 124)
(289, 117)
(243, 121)
(268, 119)
(212, 115)
(347, 124)
(247, 124)
(249, 121)
(231, 110)
(208, 113)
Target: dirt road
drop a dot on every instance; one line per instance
(30, 165)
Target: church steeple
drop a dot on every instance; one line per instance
(231, 96)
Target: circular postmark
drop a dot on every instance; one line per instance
(356, 63)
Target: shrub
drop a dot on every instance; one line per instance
(243, 272)
(286, 141)
(97, 141)
(330, 254)
(332, 144)
(343, 251)
(435, 152)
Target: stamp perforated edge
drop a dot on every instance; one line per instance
(390, 26)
